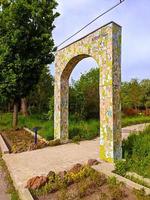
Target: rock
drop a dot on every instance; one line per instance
(76, 168)
(36, 182)
(92, 162)
(62, 174)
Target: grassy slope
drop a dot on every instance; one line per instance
(82, 129)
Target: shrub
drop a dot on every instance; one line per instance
(121, 167)
(136, 151)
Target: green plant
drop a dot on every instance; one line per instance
(26, 46)
(141, 195)
(112, 181)
(121, 167)
(136, 152)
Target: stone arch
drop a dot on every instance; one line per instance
(104, 46)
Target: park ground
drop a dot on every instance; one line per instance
(23, 168)
(135, 148)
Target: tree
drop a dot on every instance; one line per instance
(135, 93)
(38, 99)
(145, 84)
(126, 101)
(86, 94)
(26, 46)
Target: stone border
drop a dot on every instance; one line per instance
(3, 146)
(138, 177)
(24, 193)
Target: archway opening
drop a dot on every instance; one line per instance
(84, 100)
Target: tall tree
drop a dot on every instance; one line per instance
(145, 84)
(38, 99)
(26, 46)
(135, 93)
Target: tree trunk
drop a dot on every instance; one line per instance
(15, 115)
(24, 107)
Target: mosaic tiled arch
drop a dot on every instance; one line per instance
(104, 45)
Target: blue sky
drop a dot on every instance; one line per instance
(132, 15)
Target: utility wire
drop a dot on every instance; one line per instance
(110, 9)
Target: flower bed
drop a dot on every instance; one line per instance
(81, 182)
(21, 140)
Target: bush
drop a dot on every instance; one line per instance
(136, 151)
(121, 167)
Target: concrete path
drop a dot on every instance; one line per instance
(3, 187)
(25, 165)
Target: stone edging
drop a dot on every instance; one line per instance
(3, 146)
(24, 193)
(140, 178)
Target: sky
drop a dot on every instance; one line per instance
(132, 15)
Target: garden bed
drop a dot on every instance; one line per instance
(21, 140)
(81, 182)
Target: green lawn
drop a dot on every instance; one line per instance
(77, 129)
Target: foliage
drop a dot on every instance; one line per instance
(51, 108)
(127, 121)
(25, 45)
(84, 129)
(135, 94)
(145, 84)
(141, 194)
(136, 152)
(121, 167)
(84, 96)
(79, 129)
(91, 176)
(38, 99)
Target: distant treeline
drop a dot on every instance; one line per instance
(84, 96)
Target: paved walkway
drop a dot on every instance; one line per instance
(3, 187)
(25, 165)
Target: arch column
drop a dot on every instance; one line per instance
(61, 92)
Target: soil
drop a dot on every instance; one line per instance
(92, 193)
(20, 140)
(87, 184)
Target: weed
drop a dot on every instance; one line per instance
(141, 195)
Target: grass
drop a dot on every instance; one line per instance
(78, 130)
(32, 121)
(136, 151)
(127, 121)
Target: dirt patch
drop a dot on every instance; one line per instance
(20, 140)
(86, 184)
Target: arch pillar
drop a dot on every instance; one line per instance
(104, 45)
